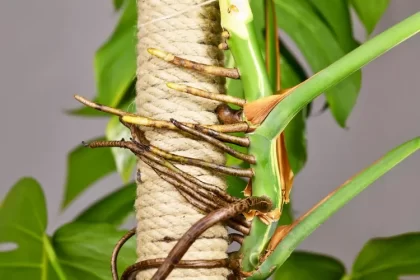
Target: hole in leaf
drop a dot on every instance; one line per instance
(8, 246)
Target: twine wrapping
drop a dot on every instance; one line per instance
(163, 215)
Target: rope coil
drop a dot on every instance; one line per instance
(162, 213)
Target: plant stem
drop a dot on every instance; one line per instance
(245, 49)
(283, 113)
(238, 20)
(306, 224)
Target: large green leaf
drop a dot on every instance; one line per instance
(336, 14)
(370, 12)
(76, 251)
(84, 167)
(23, 219)
(310, 266)
(113, 208)
(304, 226)
(321, 48)
(115, 61)
(84, 250)
(388, 258)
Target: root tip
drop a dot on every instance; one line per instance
(161, 54)
(223, 46)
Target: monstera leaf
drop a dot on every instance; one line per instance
(75, 251)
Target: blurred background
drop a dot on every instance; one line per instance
(46, 56)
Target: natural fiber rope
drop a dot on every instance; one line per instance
(163, 215)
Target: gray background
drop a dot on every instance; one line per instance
(46, 55)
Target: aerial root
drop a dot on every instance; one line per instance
(209, 199)
(130, 118)
(262, 204)
(116, 251)
(219, 144)
(206, 94)
(241, 141)
(232, 73)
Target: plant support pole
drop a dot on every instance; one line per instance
(192, 31)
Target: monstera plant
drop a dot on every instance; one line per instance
(322, 30)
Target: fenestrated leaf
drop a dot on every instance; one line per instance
(310, 266)
(23, 219)
(115, 61)
(388, 258)
(113, 208)
(287, 238)
(84, 250)
(320, 48)
(370, 12)
(84, 167)
(336, 14)
(76, 251)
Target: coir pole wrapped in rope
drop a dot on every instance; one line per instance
(163, 215)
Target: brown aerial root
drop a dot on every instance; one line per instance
(208, 95)
(100, 107)
(130, 272)
(241, 141)
(234, 237)
(229, 212)
(224, 128)
(238, 172)
(213, 193)
(116, 251)
(219, 144)
(209, 199)
(232, 73)
(262, 204)
(203, 196)
(131, 118)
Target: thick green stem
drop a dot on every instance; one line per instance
(237, 19)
